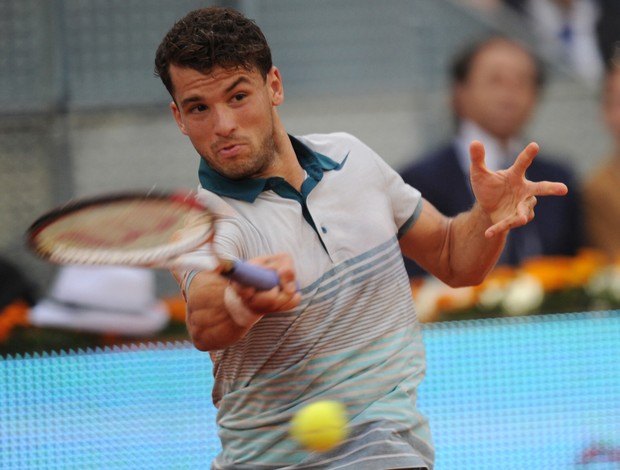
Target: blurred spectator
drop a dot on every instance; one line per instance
(608, 29)
(496, 86)
(602, 186)
(567, 30)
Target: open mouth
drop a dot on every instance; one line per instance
(229, 150)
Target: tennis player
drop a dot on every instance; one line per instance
(331, 217)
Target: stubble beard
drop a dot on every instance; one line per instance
(255, 165)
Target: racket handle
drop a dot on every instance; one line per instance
(240, 271)
(251, 275)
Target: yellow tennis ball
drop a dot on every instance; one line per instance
(320, 426)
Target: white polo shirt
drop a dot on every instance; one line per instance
(354, 338)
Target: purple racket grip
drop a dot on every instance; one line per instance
(255, 276)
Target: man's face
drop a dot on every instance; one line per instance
(228, 115)
(611, 104)
(500, 92)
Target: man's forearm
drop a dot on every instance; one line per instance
(472, 255)
(209, 322)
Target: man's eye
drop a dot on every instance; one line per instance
(239, 97)
(199, 108)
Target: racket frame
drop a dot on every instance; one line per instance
(168, 255)
(160, 255)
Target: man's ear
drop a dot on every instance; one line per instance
(274, 81)
(177, 117)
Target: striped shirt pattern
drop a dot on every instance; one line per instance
(354, 338)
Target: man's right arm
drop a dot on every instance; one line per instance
(220, 312)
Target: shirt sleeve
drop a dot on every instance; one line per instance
(406, 201)
(226, 242)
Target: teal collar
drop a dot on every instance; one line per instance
(249, 189)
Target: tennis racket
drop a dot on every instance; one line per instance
(138, 229)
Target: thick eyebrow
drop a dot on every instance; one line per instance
(193, 99)
(237, 82)
(190, 99)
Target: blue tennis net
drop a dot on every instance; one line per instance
(536, 392)
(139, 407)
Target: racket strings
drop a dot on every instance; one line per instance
(140, 232)
(122, 226)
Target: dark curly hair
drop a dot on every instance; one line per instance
(212, 37)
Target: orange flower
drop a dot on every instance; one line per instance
(15, 314)
(585, 265)
(176, 308)
(455, 299)
(500, 277)
(553, 272)
(561, 272)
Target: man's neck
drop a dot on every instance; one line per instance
(286, 164)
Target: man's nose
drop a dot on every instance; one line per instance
(224, 123)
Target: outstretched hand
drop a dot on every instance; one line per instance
(507, 196)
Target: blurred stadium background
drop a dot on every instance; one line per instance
(81, 112)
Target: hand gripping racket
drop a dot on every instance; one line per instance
(137, 229)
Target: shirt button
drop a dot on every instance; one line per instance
(323, 229)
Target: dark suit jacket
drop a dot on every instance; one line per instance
(556, 225)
